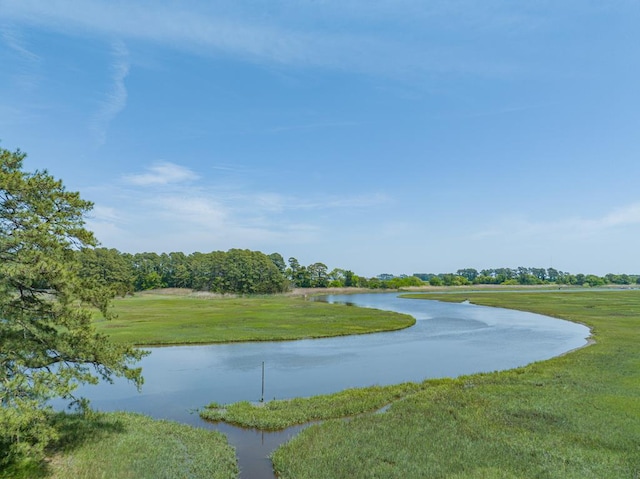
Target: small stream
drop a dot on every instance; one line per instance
(447, 340)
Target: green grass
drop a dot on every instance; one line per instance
(280, 414)
(163, 319)
(575, 416)
(131, 446)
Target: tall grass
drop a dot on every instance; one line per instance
(280, 414)
(575, 416)
(131, 446)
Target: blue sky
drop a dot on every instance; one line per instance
(398, 136)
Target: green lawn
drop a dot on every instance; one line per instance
(575, 416)
(165, 319)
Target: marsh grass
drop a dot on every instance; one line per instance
(169, 319)
(130, 446)
(280, 414)
(575, 416)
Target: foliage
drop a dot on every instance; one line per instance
(252, 272)
(524, 276)
(235, 271)
(47, 342)
(108, 268)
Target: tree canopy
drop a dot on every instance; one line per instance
(47, 342)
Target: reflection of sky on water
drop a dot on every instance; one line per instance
(447, 340)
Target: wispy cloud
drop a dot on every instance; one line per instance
(201, 215)
(162, 173)
(26, 76)
(104, 214)
(196, 210)
(312, 126)
(14, 40)
(627, 215)
(572, 228)
(272, 203)
(322, 34)
(196, 28)
(116, 99)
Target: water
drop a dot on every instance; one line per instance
(447, 340)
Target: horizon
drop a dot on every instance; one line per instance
(371, 137)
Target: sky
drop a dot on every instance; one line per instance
(379, 136)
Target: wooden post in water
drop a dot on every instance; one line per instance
(262, 397)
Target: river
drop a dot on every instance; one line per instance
(447, 340)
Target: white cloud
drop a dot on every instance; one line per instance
(162, 173)
(104, 222)
(203, 217)
(568, 229)
(200, 211)
(116, 99)
(194, 28)
(104, 214)
(322, 34)
(627, 215)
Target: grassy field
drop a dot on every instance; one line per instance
(575, 416)
(149, 319)
(280, 414)
(131, 446)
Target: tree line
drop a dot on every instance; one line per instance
(524, 276)
(243, 271)
(239, 271)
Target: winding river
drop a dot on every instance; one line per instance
(447, 340)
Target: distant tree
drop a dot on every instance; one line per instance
(48, 344)
(149, 271)
(453, 280)
(539, 273)
(297, 273)
(404, 282)
(318, 275)
(350, 279)
(108, 267)
(484, 279)
(424, 276)
(503, 274)
(469, 273)
(150, 280)
(618, 278)
(178, 271)
(593, 280)
(278, 260)
(248, 272)
(526, 276)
